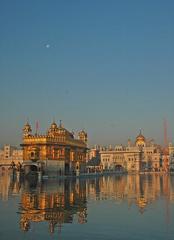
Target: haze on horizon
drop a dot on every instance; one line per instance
(105, 66)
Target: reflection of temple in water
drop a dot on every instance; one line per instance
(56, 205)
(65, 201)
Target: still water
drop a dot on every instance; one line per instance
(109, 207)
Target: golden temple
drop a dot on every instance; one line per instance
(56, 151)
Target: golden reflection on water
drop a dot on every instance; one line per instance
(65, 201)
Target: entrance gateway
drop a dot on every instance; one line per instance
(31, 167)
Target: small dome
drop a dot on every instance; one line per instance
(53, 126)
(140, 137)
(27, 130)
(27, 127)
(82, 132)
(140, 140)
(83, 136)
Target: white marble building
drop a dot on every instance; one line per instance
(10, 153)
(140, 156)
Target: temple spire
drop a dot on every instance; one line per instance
(140, 131)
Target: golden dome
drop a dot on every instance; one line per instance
(53, 126)
(59, 130)
(140, 140)
(27, 127)
(82, 132)
(83, 136)
(64, 131)
(140, 137)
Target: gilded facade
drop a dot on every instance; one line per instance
(57, 150)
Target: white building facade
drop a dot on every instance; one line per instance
(141, 156)
(10, 153)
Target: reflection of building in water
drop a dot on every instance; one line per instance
(137, 189)
(8, 186)
(171, 184)
(113, 187)
(62, 201)
(4, 186)
(56, 206)
(143, 155)
(57, 150)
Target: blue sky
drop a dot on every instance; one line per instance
(108, 68)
